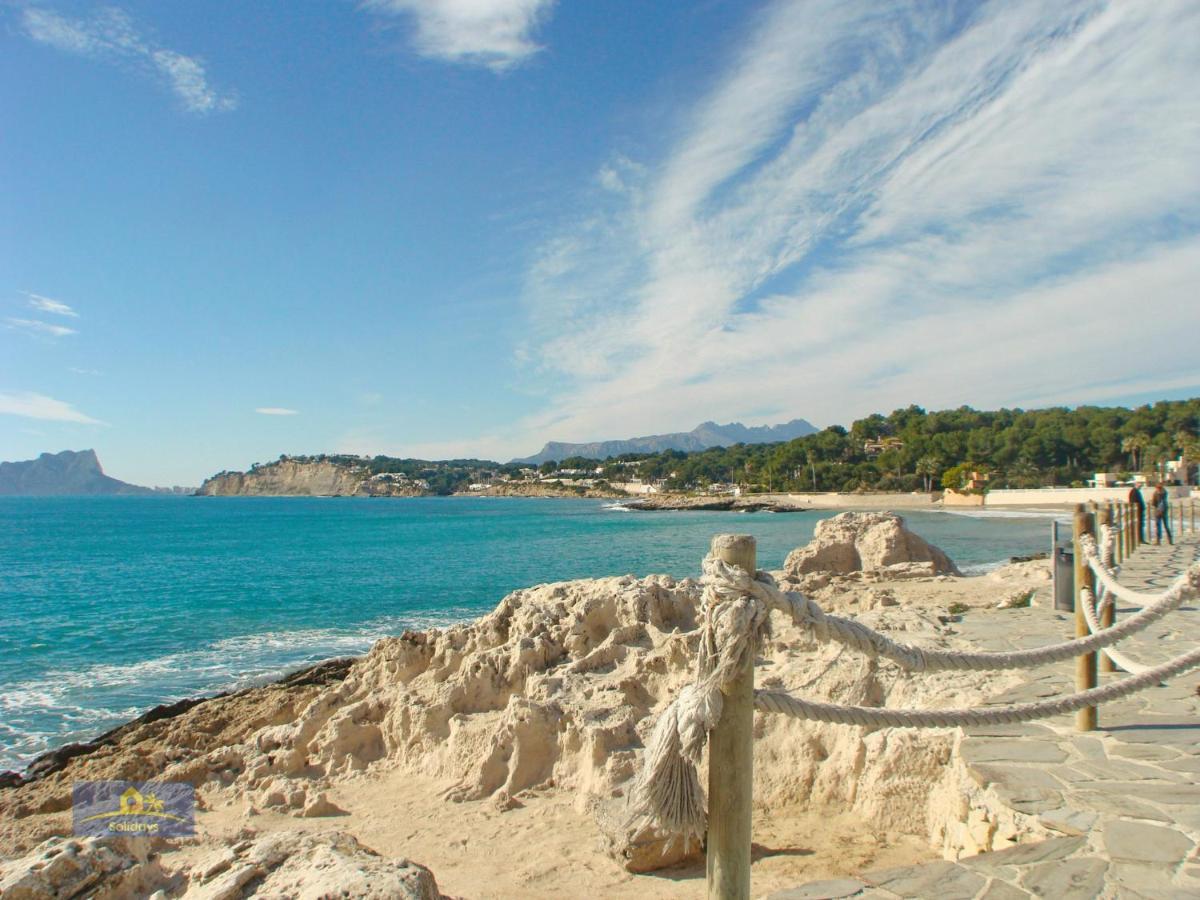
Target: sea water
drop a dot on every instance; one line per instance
(111, 605)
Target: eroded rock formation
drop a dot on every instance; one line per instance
(868, 542)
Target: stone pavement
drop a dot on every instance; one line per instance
(1123, 802)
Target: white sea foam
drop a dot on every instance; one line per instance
(40, 714)
(616, 507)
(982, 568)
(1008, 513)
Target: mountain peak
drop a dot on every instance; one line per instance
(65, 472)
(705, 435)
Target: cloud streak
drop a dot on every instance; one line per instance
(36, 326)
(30, 405)
(275, 411)
(497, 34)
(111, 35)
(880, 204)
(46, 305)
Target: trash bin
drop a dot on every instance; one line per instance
(1062, 554)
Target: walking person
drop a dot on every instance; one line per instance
(1162, 514)
(1137, 500)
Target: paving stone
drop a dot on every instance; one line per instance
(1001, 750)
(1069, 821)
(1071, 774)
(1189, 764)
(1068, 879)
(1028, 800)
(1089, 747)
(1002, 890)
(1186, 817)
(1117, 805)
(944, 880)
(1015, 729)
(1139, 842)
(1145, 751)
(832, 889)
(1024, 854)
(1186, 738)
(984, 774)
(1151, 882)
(1124, 770)
(1167, 794)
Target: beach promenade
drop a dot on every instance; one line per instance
(1120, 805)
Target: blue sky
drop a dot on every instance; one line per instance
(465, 227)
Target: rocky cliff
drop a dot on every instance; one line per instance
(70, 472)
(309, 478)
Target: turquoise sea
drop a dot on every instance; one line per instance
(111, 605)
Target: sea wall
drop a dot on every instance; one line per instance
(1071, 496)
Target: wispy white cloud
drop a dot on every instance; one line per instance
(275, 411)
(111, 35)
(38, 406)
(890, 203)
(497, 34)
(81, 371)
(45, 304)
(36, 326)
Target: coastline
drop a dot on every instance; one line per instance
(319, 748)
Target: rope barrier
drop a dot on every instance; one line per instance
(736, 607)
(1106, 575)
(871, 716)
(732, 581)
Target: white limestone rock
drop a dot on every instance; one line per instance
(868, 542)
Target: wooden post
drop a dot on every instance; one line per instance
(1107, 615)
(1115, 506)
(1086, 675)
(731, 761)
(1193, 516)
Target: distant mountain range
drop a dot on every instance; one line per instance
(709, 434)
(69, 472)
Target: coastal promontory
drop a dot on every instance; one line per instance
(314, 477)
(69, 473)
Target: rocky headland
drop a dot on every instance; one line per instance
(309, 478)
(499, 754)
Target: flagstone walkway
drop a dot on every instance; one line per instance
(1124, 800)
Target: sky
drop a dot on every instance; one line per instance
(447, 228)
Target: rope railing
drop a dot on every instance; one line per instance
(737, 601)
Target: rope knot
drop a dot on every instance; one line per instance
(736, 609)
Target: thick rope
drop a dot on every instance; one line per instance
(1104, 572)
(807, 613)
(874, 717)
(1120, 660)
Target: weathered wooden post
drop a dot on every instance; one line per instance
(1114, 522)
(1086, 675)
(731, 760)
(1108, 614)
(1123, 529)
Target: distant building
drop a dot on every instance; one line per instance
(873, 447)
